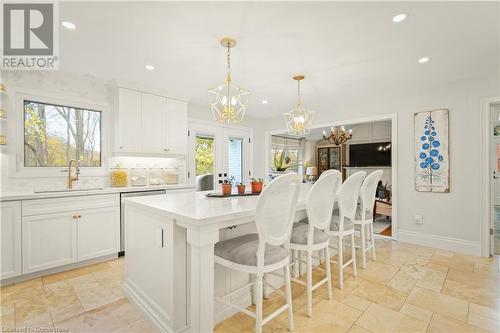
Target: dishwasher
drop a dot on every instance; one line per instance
(126, 195)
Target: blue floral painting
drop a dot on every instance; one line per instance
(431, 148)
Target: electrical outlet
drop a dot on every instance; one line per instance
(418, 219)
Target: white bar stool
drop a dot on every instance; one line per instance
(364, 214)
(313, 235)
(340, 228)
(267, 251)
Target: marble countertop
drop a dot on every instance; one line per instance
(13, 196)
(196, 208)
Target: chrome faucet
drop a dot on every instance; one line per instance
(71, 179)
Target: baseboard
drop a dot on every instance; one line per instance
(440, 242)
(133, 296)
(49, 271)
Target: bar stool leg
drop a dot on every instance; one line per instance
(288, 286)
(373, 241)
(363, 247)
(328, 273)
(341, 262)
(353, 251)
(264, 287)
(309, 283)
(296, 268)
(258, 312)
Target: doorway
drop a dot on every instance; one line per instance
(378, 133)
(218, 153)
(495, 178)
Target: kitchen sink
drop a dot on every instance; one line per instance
(70, 190)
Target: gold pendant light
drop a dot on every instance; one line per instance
(299, 120)
(228, 102)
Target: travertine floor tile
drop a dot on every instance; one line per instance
(443, 324)
(432, 279)
(380, 319)
(439, 303)
(380, 294)
(472, 294)
(417, 312)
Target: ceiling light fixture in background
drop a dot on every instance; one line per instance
(423, 60)
(299, 120)
(399, 18)
(150, 67)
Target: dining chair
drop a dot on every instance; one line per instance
(268, 250)
(313, 236)
(365, 214)
(342, 225)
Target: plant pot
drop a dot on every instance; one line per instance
(226, 189)
(257, 187)
(241, 189)
(388, 195)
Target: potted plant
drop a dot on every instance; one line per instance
(384, 191)
(256, 184)
(227, 186)
(241, 188)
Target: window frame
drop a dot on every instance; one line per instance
(16, 129)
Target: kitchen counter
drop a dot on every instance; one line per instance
(12, 196)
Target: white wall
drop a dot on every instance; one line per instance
(454, 218)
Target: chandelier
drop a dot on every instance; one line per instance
(337, 135)
(298, 121)
(228, 102)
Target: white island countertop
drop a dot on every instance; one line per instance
(24, 195)
(196, 208)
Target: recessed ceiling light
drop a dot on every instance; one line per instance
(423, 60)
(399, 18)
(150, 67)
(68, 25)
(264, 101)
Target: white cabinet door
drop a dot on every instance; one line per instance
(49, 241)
(98, 232)
(129, 122)
(177, 127)
(10, 236)
(154, 124)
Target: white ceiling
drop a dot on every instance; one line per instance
(346, 50)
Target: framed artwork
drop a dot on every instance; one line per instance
(432, 164)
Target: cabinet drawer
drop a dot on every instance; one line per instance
(71, 204)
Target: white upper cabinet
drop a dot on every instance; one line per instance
(150, 124)
(154, 120)
(177, 127)
(129, 138)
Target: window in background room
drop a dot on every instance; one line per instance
(205, 156)
(56, 134)
(235, 159)
(287, 154)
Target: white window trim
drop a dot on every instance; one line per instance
(16, 130)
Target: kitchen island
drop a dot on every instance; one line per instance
(169, 267)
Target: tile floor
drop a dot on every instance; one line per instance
(408, 289)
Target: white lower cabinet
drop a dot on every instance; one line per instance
(10, 237)
(98, 232)
(63, 231)
(49, 241)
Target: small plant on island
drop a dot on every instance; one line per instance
(256, 184)
(227, 185)
(241, 188)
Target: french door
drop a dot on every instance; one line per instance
(217, 153)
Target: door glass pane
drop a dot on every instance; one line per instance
(205, 162)
(235, 159)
